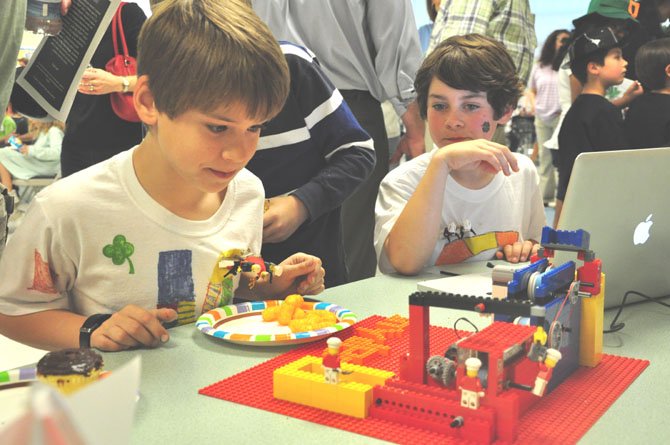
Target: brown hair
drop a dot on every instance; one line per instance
(650, 62)
(36, 127)
(201, 53)
(471, 62)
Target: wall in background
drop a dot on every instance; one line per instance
(549, 15)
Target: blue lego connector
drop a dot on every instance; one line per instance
(545, 285)
(577, 240)
(517, 288)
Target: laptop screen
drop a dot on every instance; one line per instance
(622, 198)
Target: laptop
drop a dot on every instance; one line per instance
(622, 198)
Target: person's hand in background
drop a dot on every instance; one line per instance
(96, 81)
(282, 217)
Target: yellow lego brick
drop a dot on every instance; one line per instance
(591, 328)
(302, 382)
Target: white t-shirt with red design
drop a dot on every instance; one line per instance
(475, 223)
(96, 241)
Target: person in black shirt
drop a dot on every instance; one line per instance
(647, 123)
(93, 132)
(593, 123)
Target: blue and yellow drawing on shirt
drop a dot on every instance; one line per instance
(220, 286)
(175, 284)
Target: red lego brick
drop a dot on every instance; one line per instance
(498, 337)
(558, 418)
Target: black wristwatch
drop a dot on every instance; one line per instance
(91, 324)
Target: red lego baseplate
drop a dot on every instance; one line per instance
(561, 417)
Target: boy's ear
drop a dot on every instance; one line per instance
(593, 68)
(507, 115)
(143, 99)
(667, 70)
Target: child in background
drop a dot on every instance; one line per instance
(42, 158)
(471, 199)
(647, 123)
(7, 128)
(104, 257)
(593, 123)
(543, 94)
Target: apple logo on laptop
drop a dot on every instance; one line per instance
(641, 234)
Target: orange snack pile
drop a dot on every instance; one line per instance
(290, 313)
(313, 320)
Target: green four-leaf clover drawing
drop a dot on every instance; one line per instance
(119, 251)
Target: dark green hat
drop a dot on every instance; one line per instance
(615, 9)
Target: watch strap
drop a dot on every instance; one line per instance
(91, 324)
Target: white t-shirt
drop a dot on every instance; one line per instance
(508, 209)
(96, 241)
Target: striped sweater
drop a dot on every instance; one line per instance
(315, 150)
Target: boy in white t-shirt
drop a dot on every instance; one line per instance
(105, 257)
(471, 199)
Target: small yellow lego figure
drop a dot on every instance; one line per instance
(470, 386)
(331, 362)
(546, 369)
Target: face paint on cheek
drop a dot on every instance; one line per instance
(486, 127)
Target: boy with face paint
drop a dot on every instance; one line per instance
(465, 88)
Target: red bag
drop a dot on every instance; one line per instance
(122, 65)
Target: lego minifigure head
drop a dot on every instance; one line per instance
(334, 344)
(472, 366)
(540, 335)
(553, 356)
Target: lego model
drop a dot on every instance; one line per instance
(488, 380)
(484, 383)
(237, 260)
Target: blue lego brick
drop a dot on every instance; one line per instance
(556, 279)
(518, 286)
(569, 315)
(565, 239)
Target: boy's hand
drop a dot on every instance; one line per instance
(479, 153)
(133, 326)
(518, 252)
(304, 273)
(634, 90)
(282, 218)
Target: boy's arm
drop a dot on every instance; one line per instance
(634, 90)
(50, 330)
(410, 242)
(412, 239)
(132, 326)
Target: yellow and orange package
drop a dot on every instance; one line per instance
(290, 313)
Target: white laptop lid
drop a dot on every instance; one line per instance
(622, 198)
